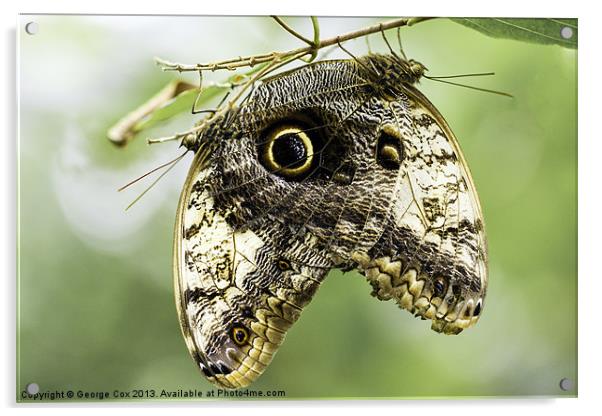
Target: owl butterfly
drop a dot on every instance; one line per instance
(339, 164)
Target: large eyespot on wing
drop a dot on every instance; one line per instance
(290, 149)
(237, 292)
(432, 258)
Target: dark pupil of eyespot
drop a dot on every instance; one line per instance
(438, 288)
(289, 151)
(390, 151)
(239, 335)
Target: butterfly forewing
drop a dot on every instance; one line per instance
(432, 258)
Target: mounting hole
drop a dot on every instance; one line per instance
(566, 32)
(32, 388)
(32, 28)
(566, 384)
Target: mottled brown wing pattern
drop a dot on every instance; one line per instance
(338, 164)
(238, 291)
(432, 258)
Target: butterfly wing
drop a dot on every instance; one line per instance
(237, 291)
(432, 257)
(409, 218)
(387, 192)
(245, 260)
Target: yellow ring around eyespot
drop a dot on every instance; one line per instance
(238, 329)
(269, 155)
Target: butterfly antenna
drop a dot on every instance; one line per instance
(149, 173)
(477, 74)
(171, 164)
(505, 94)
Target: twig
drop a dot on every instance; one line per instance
(316, 27)
(266, 63)
(252, 60)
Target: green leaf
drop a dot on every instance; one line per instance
(178, 105)
(175, 98)
(185, 101)
(543, 31)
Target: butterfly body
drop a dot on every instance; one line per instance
(338, 164)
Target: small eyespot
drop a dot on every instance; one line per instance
(389, 151)
(344, 174)
(247, 312)
(440, 287)
(239, 334)
(284, 265)
(289, 150)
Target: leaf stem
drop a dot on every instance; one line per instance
(291, 30)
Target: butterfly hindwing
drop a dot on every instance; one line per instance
(238, 291)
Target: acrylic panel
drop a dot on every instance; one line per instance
(363, 208)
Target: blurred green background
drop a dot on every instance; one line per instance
(96, 309)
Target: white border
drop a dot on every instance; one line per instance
(590, 152)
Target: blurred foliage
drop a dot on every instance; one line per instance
(545, 31)
(95, 306)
